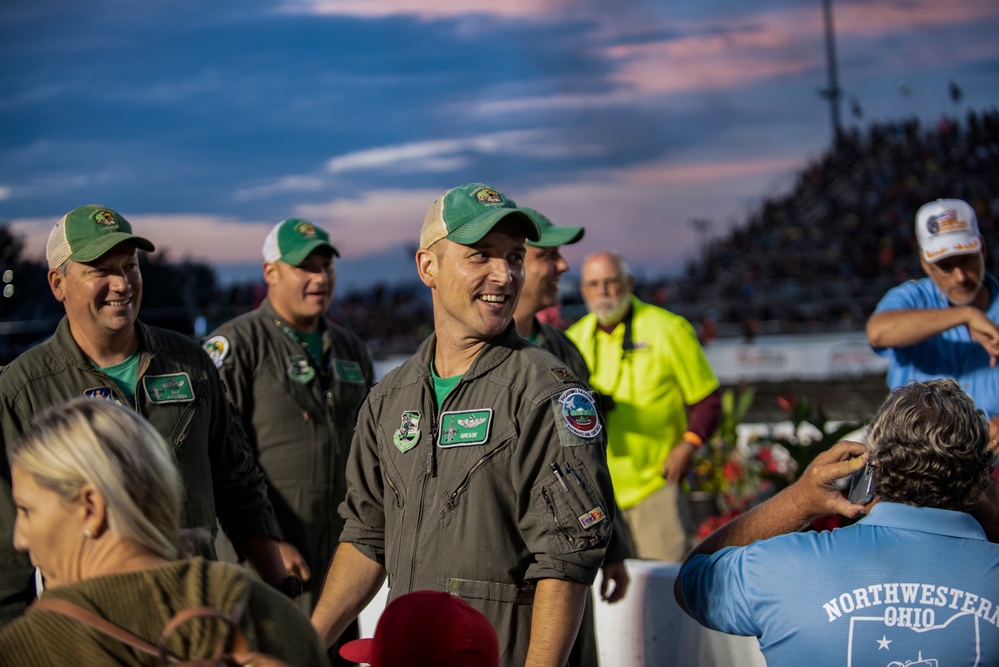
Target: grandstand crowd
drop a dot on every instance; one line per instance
(817, 258)
(822, 256)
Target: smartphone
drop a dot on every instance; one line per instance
(862, 486)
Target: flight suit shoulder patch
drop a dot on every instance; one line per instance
(217, 348)
(577, 419)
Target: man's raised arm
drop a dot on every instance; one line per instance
(904, 327)
(814, 495)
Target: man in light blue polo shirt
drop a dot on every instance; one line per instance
(915, 582)
(944, 325)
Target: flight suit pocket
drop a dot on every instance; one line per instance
(575, 518)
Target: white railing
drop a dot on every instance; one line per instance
(645, 629)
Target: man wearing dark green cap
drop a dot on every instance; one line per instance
(543, 269)
(478, 466)
(299, 381)
(101, 350)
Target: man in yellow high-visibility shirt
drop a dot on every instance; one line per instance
(648, 361)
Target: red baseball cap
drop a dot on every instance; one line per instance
(428, 628)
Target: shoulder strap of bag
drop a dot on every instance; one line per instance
(98, 623)
(236, 641)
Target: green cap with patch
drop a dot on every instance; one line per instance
(467, 213)
(292, 240)
(87, 233)
(551, 234)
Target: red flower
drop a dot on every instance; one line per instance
(713, 523)
(787, 402)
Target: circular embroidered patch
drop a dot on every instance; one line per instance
(217, 347)
(580, 413)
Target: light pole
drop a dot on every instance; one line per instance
(833, 92)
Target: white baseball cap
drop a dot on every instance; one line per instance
(947, 227)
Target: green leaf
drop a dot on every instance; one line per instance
(745, 402)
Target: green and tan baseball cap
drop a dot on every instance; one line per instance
(467, 213)
(552, 235)
(292, 240)
(87, 233)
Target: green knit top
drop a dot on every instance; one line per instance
(142, 602)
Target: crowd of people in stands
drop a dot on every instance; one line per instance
(825, 252)
(817, 258)
(821, 256)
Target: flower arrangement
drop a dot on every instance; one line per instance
(721, 467)
(734, 471)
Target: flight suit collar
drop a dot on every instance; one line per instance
(493, 353)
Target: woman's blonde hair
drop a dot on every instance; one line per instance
(97, 442)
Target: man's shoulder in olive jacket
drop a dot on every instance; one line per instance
(179, 392)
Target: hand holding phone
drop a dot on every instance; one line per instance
(862, 485)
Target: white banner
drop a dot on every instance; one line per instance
(799, 356)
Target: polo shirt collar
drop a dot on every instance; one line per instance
(925, 519)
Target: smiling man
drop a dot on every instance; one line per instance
(478, 466)
(944, 325)
(102, 351)
(298, 381)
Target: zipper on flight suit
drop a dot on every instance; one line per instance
(398, 499)
(184, 427)
(435, 412)
(423, 480)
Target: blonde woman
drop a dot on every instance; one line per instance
(98, 502)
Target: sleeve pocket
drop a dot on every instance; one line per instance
(573, 515)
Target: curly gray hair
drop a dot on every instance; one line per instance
(928, 443)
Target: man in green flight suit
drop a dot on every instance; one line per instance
(478, 467)
(103, 351)
(298, 380)
(543, 269)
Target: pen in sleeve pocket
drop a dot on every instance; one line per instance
(573, 473)
(558, 476)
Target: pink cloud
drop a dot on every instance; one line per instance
(712, 53)
(876, 19)
(196, 236)
(655, 202)
(751, 47)
(424, 9)
(714, 172)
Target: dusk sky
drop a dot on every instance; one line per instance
(206, 122)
